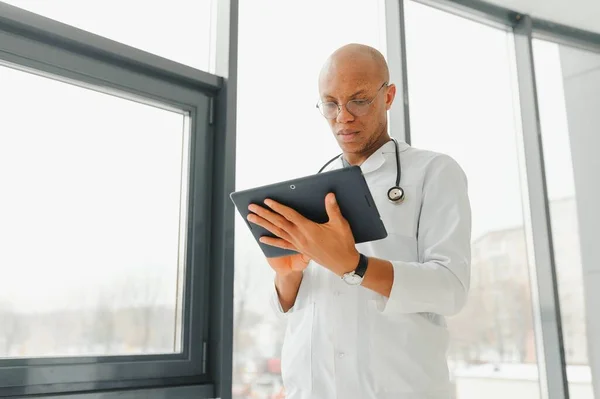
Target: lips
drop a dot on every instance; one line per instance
(348, 135)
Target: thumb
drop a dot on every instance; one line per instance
(332, 207)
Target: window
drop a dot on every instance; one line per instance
(179, 30)
(281, 135)
(105, 181)
(93, 214)
(566, 74)
(461, 103)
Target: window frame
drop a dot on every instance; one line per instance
(49, 48)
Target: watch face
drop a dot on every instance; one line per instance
(352, 279)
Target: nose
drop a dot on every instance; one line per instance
(344, 116)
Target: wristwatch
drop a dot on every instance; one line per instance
(356, 277)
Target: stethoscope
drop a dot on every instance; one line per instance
(394, 194)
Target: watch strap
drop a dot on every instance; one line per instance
(361, 269)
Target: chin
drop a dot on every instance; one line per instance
(354, 147)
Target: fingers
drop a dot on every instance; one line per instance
(332, 208)
(274, 218)
(278, 242)
(260, 221)
(287, 212)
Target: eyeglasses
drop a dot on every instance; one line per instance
(331, 110)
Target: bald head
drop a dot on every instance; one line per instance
(357, 62)
(354, 78)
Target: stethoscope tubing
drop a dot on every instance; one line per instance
(395, 194)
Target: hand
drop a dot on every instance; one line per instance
(330, 244)
(287, 265)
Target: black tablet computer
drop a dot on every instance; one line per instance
(307, 196)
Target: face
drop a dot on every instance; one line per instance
(358, 134)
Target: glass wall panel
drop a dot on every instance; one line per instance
(568, 80)
(462, 103)
(281, 135)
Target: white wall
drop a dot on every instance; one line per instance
(581, 73)
(581, 14)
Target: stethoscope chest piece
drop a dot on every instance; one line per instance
(396, 194)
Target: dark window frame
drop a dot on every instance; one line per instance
(40, 45)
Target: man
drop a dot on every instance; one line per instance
(385, 338)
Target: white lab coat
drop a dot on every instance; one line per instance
(348, 342)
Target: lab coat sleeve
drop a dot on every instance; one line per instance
(276, 305)
(439, 281)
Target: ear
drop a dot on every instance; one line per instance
(390, 95)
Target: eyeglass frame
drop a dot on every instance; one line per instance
(339, 106)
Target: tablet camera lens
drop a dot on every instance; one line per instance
(292, 187)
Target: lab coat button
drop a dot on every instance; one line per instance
(341, 355)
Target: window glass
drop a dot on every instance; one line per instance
(92, 211)
(179, 30)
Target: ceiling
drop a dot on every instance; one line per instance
(581, 14)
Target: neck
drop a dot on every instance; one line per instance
(357, 158)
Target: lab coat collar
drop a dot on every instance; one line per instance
(377, 159)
